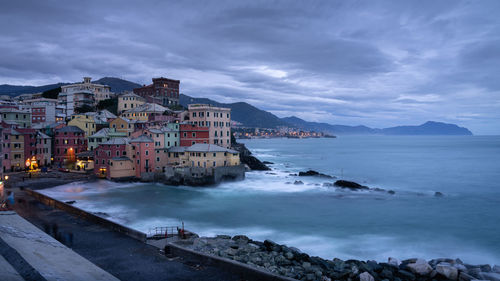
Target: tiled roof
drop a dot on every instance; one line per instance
(101, 133)
(70, 129)
(205, 147)
(142, 138)
(177, 149)
(117, 141)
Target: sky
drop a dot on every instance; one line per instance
(375, 63)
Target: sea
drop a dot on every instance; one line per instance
(330, 222)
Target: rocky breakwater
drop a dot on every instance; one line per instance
(247, 158)
(292, 263)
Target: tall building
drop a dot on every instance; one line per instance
(163, 91)
(216, 119)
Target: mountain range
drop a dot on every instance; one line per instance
(250, 116)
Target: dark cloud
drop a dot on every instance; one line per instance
(379, 63)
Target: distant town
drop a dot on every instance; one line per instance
(139, 134)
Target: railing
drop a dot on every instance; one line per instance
(163, 232)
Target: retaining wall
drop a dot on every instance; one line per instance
(86, 215)
(246, 272)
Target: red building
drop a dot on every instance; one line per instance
(68, 141)
(38, 115)
(116, 147)
(143, 149)
(191, 134)
(163, 91)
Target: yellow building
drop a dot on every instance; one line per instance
(143, 112)
(210, 155)
(122, 124)
(121, 167)
(85, 121)
(129, 101)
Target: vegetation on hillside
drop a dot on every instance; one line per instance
(52, 93)
(110, 105)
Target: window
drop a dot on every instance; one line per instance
(215, 154)
(192, 143)
(194, 114)
(214, 163)
(194, 135)
(157, 159)
(147, 152)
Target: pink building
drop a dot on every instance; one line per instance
(68, 141)
(105, 152)
(143, 150)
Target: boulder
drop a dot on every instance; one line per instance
(351, 185)
(496, 269)
(438, 194)
(289, 255)
(312, 173)
(365, 276)
(328, 184)
(420, 267)
(492, 276)
(241, 238)
(298, 182)
(393, 261)
(391, 192)
(462, 276)
(267, 162)
(447, 270)
(223, 237)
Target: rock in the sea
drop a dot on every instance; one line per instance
(312, 173)
(438, 194)
(393, 261)
(447, 270)
(391, 192)
(465, 277)
(328, 184)
(70, 202)
(221, 236)
(350, 184)
(241, 238)
(268, 162)
(298, 182)
(496, 269)
(365, 276)
(492, 276)
(420, 267)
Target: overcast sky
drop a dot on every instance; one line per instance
(376, 63)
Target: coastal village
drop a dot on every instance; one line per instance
(150, 137)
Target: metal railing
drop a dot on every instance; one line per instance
(163, 232)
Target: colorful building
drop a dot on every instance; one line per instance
(68, 141)
(129, 101)
(144, 112)
(163, 91)
(16, 116)
(85, 121)
(216, 119)
(143, 156)
(103, 135)
(81, 94)
(105, 152)
(211, 156)
(191, 134)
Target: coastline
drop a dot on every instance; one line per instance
(291, 262)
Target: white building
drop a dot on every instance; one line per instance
(42, 110)
(80, 94)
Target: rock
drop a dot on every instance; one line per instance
(420, 267)
(447, 270)
(312, 173)
(293, 175)
(460, 267)
(386, 274)
(306, 266)
(391, 192)
(223, 237)
(267, 163)
(350, 184)
(492, 276)
(70, 202)
(393, 261)
(374, 266)
(365, 276)
(485, 268)
(298, 182)
(496, 269)
(462, 276)
(231, 251)
(271, 246)
(240, 238)
(289, 255)
(405, 275)
(328, 184)
(438, 194)
(378, 189)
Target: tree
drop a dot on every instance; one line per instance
(110, 105)
(176, 107)
(84, 108)
(52, 93)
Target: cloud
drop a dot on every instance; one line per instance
(379, 63)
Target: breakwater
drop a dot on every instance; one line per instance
(292, 263)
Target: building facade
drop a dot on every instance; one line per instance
(163, 91)
(68, 141)
(129, 101)
(190, 134)
(80, 94)
(216, 119)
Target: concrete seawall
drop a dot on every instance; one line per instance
(86, 215)
(245, 271)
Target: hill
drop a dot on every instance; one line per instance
(428, 128)
(15, 90)
(117, 85)
(247, 114)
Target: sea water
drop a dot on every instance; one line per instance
(330, 222)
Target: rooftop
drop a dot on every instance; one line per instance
(117, 141)
(142, 138)
(205, 147)
(70, 129)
